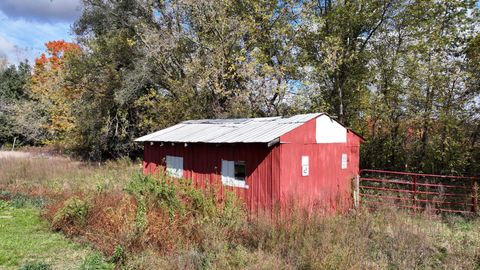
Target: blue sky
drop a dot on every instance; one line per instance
(25, 26)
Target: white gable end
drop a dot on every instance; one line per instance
(329, 131)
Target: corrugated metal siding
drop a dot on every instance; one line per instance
(251, 130)
(327, 187)
(202, 163)
(273, 174)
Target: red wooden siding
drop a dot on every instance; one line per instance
(202, 162)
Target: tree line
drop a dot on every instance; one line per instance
(403, 73)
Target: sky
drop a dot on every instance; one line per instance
(25, 26)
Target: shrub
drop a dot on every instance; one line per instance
(118, 256)
(36, 266)
(156, 191)
(96, 262)
(73, 212)
(4, 205)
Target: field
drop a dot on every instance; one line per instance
(64, 214)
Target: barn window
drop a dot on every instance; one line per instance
(240, 170)
(234, 173)
(174, 166)
(344, 161)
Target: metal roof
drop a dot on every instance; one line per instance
(244, 130)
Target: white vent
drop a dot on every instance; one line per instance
(305, 169)
(344, 161)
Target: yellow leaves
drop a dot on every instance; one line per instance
(48, 87)
(131, 42)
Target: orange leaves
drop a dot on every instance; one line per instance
(57, 50)
(58, 47)
(49, 87)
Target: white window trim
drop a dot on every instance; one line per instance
(229, 180)
(234, 183)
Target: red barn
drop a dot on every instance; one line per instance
(308, 160)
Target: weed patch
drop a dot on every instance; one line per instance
(73, 213)
(36, 266)
(96, 262)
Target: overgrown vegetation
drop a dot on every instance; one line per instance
(157, 223)
(57, 174)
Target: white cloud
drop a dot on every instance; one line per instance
(42, 10)
(24, 39)
(9, 51)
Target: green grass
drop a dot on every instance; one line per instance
(26, 239)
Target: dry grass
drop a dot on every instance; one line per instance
(60, 174)
(143, 225)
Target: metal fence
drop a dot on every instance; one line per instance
(439, 193)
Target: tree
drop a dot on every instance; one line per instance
(420, 110)
(49, 89)
(13, 84)
(163, 62)
(334, 40)
(403, 73)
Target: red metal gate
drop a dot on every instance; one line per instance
(439, 193)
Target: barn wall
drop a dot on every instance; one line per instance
(202, 163)
(273, 174)
(328, 187)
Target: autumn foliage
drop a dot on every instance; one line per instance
(57, 52)
(56, 97)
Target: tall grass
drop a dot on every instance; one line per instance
(142, 222)
(59, 174)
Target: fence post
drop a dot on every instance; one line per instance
(474, 196)
(14, 141)
(414, 193)
(356, 192)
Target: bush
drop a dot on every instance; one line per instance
(96, 262)
(4, 205)
(73, 212)
(118, 256)
(156, 191)
(36, 266)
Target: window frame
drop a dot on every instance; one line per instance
(175, 172)
(228, 173)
